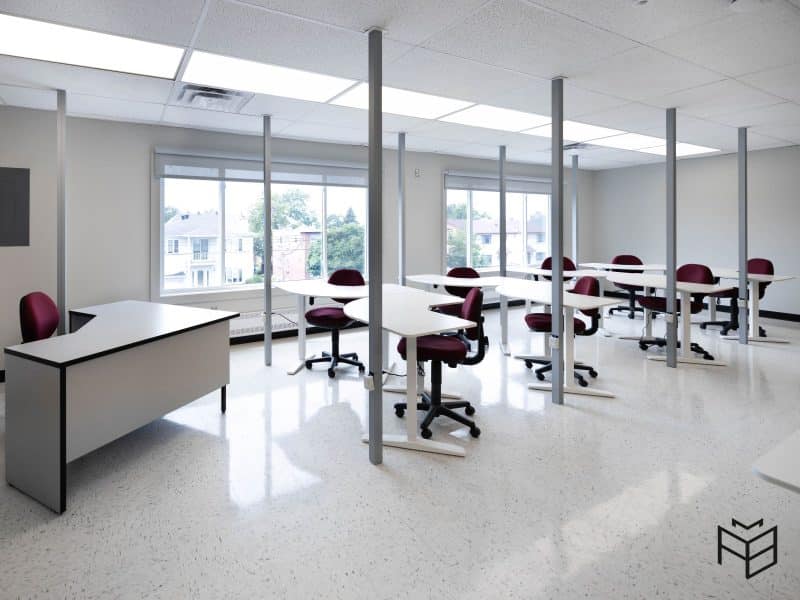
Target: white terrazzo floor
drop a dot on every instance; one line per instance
(600, 498)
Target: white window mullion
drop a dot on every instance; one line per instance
(223, 273)
(468, 226)
(324, 228)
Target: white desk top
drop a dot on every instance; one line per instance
(781, 465)
(613, 267)
(724, 273)
(406, 312)
(549, 273)
(541, 293)
(118, 326)
(653, 280)
(319, 288)
(470, 282)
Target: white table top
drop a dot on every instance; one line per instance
(469, 282)
(118, 326)
(652, 280)
(613, 267)
(725, 273)
(406, 312)
(319, 288)
(549, 273)
(541, 293)
(781, 465)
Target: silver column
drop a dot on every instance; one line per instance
(401, 208)
(61, 209)
(671, 317)
(744, 331)
(267, 240)
(502, 181)
(557, 239)
(574, 180)
(375, 220)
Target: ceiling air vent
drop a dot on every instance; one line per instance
(209, 98)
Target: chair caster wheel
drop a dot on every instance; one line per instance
(708, 357)
(702, 325)
(469, 410)
(426, 433)
(631, 316)
(475, 432)
(529, 364)
(308, 364)
(361, 369)
(582, 382)
(331, 373)
(355, 356)
(592, 373)
(540, 376)
(399, 412)
(642, 346)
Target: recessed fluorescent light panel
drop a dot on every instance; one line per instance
(402, 102)
(629, 141)
(681, 149)
(38, 40)
(215, 70)
(576, 132)
(493, 117)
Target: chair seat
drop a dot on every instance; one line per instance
(450, 309)
(543, 322)
(328, 317)
(659, 304)
(437, 347)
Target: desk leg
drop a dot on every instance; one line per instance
(648, 323)
(603, 330)
(223, 398)
(504, 326)
(685, 355)
(410, 441)
(569, 363)
(301, 336)
(754, 333)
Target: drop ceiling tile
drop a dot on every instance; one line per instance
(535, 96)
(254, 34)
(409, 21)
(28, 97)
(642, 73)
(743, 42)
(432, 72)
(715, 99)
(476, 151)
(464, 133)
(214, 120)
(640, 22)
(775, 134)
(422, 144)
(785, 113)
(537, 158)
(277, 107)
(325, 133)
(633, 117)
(517, 35)
(782, 81)
(114, 109)
(170, 22)
(704, 133)
(355, 118)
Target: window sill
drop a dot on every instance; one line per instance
(250, 292)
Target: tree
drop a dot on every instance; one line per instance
(169, 212)
(457, 238)
(345, 245)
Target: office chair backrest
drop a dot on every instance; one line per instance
(38, 316)
(626, 259)
(346, 277)
(694, 273)
(568, 265)
(465, 272)
(471, 310)
(761, 266)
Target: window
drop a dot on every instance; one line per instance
(216, 205)
(472, 206)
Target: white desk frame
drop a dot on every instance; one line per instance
(406, 312)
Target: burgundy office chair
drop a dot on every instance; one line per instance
(461, 292)
(758, 266)
(334, 319)
(38, 316)
(547, 263)
(631, 308)
(690, 273)
(453, 350)
(543, 323)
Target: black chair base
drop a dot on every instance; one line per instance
(432, 403)
(333, 358)
(630, 310)
(644, 344)
(548, 366)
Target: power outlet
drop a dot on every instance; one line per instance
(416, 173)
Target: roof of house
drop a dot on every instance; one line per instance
(536, 223)
(203, 225)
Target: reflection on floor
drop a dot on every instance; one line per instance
(601, 498)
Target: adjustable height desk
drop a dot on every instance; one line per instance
(125, 364)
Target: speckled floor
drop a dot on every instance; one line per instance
(599, 498)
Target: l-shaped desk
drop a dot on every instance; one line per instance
(124, 365)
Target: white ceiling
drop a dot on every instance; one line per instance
(624, 65)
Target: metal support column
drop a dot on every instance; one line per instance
(502, 184)
(671, 316)
(61, 209)
(267, 240)
(557, 240)
(401, 208)
(375, 221)
(574, 181)
(744, 330)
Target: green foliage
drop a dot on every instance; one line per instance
(169, 212)
(457, 239)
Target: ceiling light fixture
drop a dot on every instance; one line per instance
(681, 149)
(493, 117)
(219, 71)
(402, 102)
(28, 38)
(576, 132)
(629, 141)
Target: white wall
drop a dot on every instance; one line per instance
(109, 187)
(629, 215)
